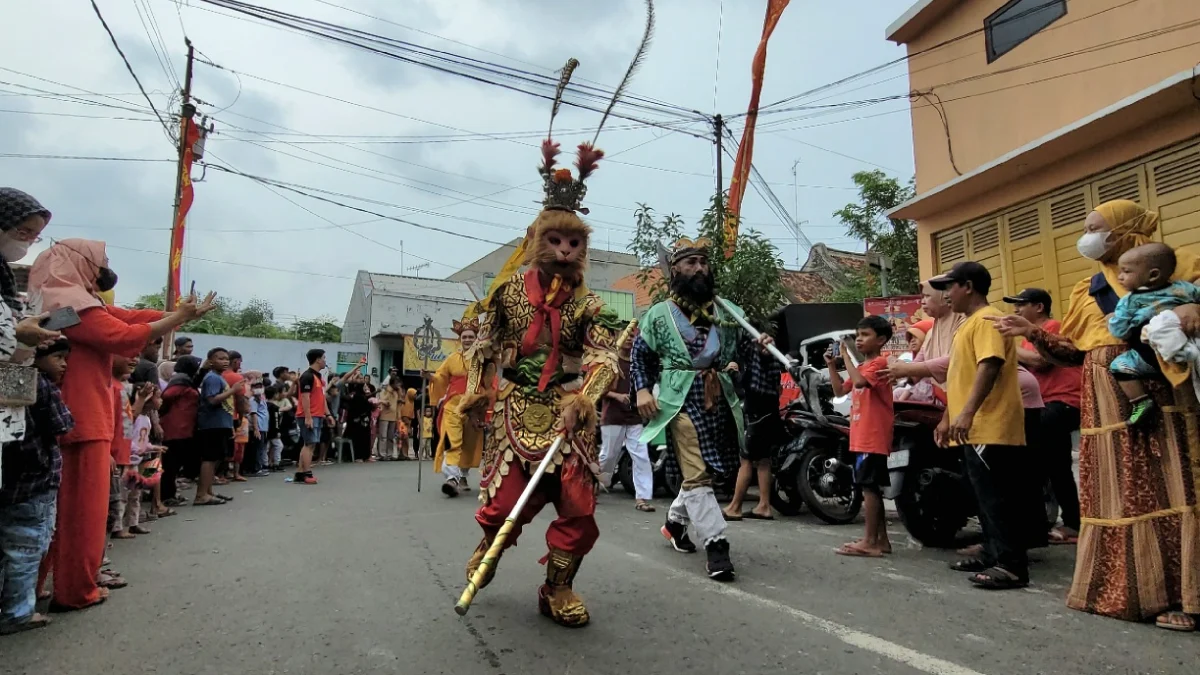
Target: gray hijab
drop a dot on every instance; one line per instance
(15, 207)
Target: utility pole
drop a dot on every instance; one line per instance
(187, 112)
(718, 129)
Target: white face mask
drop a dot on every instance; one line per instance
(13, 249)
(1093, 245)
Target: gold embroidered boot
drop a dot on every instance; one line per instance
(476, 558)
(556, 598)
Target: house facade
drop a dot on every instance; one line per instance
(385, 311)
(1027, 114)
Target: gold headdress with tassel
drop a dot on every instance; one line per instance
(563, 193)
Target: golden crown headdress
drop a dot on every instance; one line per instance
(687, 247)
(460, 327)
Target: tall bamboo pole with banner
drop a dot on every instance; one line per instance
(598, 382)
(427, 341)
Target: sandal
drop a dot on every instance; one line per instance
(112, 582)
(852, 551)
(1176, 621)
(56, 608)
(972, 551)
(211, 502)
(1063, 536)
(36, 621)
(138, 529)
(998, 579)
(222, 498)
(969, 565)
(731, 517)
(167, 513)
(644, 506)
(750, 515)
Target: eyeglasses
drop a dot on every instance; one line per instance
(24, 235)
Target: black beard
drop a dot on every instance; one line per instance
(698, 288)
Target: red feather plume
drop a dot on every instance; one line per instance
(587, 159)
(549, 152)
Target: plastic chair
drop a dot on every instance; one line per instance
(340, 445)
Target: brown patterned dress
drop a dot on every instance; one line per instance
(1139, 543)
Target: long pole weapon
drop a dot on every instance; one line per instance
(779, 356)
(599, 381)
(427, 340)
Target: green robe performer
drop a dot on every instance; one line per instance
(685, 346)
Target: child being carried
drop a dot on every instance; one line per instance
(1145, 271)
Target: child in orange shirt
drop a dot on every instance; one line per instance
(871, 424)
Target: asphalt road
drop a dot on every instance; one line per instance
(360, 575)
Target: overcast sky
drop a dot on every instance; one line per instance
(246, 241)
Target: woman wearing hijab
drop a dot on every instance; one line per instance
(1139, 541)
(930, 384)
(357, 407)
(917, 333)
(72, 273)
(22, 220)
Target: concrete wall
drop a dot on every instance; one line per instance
(1022, 95)
(393, 316)
(265, 354)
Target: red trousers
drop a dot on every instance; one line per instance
(79, 538)
(572, 491)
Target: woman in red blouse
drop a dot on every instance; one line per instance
(71, 273)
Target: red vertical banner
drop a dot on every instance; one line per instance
(191, 134)
(741, 166)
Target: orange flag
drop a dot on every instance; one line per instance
(741, 166)
(191, 134)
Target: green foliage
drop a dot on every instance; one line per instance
(751, 278)
(255, 318)
(896, 239)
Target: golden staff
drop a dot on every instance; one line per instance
(599, 381)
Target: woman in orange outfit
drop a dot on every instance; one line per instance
(72, 273)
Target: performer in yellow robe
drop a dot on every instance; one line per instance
(460, 441)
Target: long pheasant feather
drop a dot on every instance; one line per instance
(567, 70)
(636, 63)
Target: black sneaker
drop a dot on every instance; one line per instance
(720, 567)
(676, 533)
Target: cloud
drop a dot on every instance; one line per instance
(245, 240)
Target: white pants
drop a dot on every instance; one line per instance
(614, 439)
(699, 507)
(451, 472)
(129, 506)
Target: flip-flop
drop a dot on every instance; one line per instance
(212, 502)
(729, 518)
(1164, 622)
(168, 513)
(645, 507)
(35, 622)
(852, 552)
(223, 498)
(750, 515)
(111, 582)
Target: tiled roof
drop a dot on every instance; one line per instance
(393, 284)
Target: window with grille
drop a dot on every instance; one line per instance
(620, 302)
(1017, 21)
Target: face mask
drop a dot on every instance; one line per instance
(257, 391)
(13, 249)
(106, 280)
(1093, 245)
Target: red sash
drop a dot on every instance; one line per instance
(546, 305)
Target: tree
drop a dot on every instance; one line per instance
(255, 318)
(751, 278)
(893, 238)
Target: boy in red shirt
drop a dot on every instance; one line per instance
(871, 420)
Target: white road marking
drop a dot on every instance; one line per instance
(871, 643)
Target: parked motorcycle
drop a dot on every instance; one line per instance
(928, 483)
(815, 466)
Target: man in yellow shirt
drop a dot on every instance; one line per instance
(985, 416)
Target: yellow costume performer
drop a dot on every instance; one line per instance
(460, 441)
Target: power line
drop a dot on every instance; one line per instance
(129, 67)
(7, 155)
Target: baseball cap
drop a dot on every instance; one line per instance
(182, 340)
(963, 272)
(1030, 296)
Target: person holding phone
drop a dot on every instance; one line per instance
(73, 273)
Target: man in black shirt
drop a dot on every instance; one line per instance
(146, 369)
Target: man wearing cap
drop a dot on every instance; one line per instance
(183, 347)
(1060, 387)
(985, 417)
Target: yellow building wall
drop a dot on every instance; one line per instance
(1032, 244)
(1100, 52)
